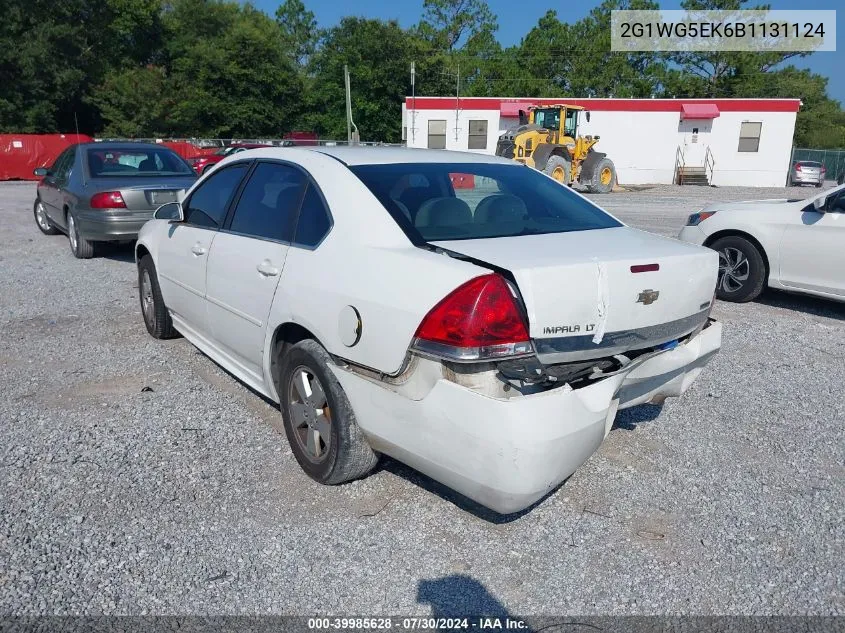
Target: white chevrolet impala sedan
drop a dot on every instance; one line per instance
(464, 314)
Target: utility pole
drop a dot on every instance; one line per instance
(457, 101)
(352, 136)
(413, 105)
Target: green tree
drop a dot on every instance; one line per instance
(379, 56)
(134, 102)
(51, 53)
(300, 34)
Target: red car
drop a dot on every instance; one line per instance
(204, 162)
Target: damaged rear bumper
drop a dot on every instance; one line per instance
(508, 452)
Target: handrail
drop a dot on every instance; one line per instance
(679, 166)
(710, 162)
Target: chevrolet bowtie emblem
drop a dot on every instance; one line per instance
(647, 297)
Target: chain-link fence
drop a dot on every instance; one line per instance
(832, 159)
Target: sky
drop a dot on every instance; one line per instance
(517, 18)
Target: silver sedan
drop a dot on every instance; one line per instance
(105, 192)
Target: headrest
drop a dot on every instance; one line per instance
(446, 211)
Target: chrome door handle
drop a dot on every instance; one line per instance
(198, 249)
(267, 269)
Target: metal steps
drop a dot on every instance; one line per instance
(693, 176)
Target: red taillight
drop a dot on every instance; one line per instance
(797, 167)
(478, 320)
(107, 200)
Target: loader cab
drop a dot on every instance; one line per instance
(559, 120)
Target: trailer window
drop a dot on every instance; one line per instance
(437, 134)
(477, 135)
(749, 136)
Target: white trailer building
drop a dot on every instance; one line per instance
(736, 141)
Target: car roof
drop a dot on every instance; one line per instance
(117, 145)
(364, 155)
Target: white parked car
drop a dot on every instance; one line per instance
(795, 245)
(461, 313)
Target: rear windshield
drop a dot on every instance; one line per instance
(105, 163)
(809, 163)
(459, 201)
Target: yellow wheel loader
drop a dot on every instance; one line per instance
(547, 139)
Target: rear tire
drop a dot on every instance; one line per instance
(604, 177)
(41, 220)
(559, 168)
(319, 421)
(156, 317)
(79, 246)
(742, 269)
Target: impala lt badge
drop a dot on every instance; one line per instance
(647, 297)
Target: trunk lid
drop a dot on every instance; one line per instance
(146, 194)
(578, 285)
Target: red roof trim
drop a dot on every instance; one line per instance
(610, 105)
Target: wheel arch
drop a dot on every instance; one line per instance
(140, 251)
(711, 239)
(285, 336)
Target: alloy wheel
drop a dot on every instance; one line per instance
(310, 414)
(734, 269)
(147, 300)
(41, 217)
(71, 232)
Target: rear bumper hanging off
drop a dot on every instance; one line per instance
(507, 453)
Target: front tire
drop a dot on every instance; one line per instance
(156, 317)
(559, 168)
(79, 246)
(319, 421)
(604, 177)
(742, 269)
(41, 220)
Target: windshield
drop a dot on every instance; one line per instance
(106, 163)
(458, 201)
(548, 118)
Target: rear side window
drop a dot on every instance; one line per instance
(208, 203)
(314, 220)
(267, 207)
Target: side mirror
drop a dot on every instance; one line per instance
(171, 211)
(587, 114)
(523, 117)
(819, 204)
(41, 172)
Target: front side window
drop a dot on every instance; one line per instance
(437, 134)
(460, 201)
(267, 207)
(749, 136)
(62, 163)
(208, 203)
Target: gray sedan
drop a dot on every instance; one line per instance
(105, 192)
(807, 172)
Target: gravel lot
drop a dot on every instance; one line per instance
(185, 499)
